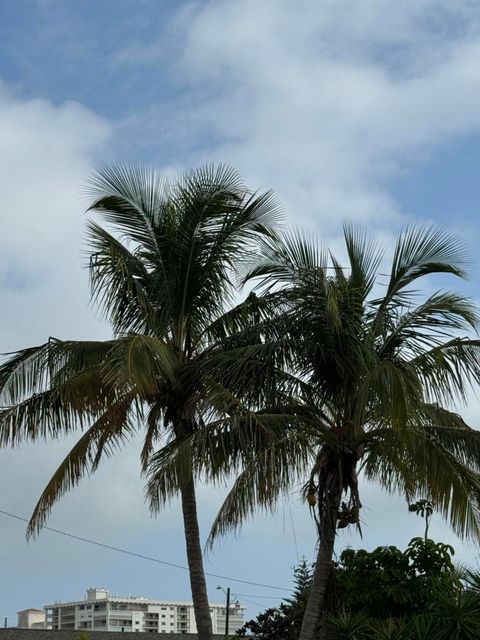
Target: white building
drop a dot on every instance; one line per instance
(102, 612)
(31, 619)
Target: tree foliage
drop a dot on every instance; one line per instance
(385, 594)
(389, 583)
(285, 620)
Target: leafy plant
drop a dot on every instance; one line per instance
(423, 508)
(349, 626)
(390, 584)
(388, 630)
(458, 616)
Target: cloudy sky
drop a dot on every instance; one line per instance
(366, 110)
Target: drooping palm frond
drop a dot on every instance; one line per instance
(153, 432)
(22, 373)
(223, 448)
(53, 390)
(130, 199)
(265, 478)
(450, 369)
(421, 250)
(430, 323)
(32, 370)
(108, 433)
(141, 362)
(437, 456)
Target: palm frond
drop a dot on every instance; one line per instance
(139, 362)
(131, 199)
(152, 434)
(449, 370)
(33, 370)
(120, 282)
(263, 481)
(364, 259)
(425, 460)
(280, 261)
(107, 433)
(429, 324)
(422, 250)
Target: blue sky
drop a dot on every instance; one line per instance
(367, 111)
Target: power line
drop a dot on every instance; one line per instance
(142, 556)
(255, 595)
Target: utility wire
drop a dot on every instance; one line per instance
(144, 557)
(255, 595)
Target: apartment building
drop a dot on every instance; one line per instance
(101, 611)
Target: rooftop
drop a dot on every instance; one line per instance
(30, 609)
(95, 595)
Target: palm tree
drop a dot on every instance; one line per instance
(363, 375)
(161, 270)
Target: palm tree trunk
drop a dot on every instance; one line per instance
(195, 563)
(314, 619)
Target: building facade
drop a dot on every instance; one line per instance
(31, 619)
(102, 612)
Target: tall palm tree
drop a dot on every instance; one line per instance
(161, 268)
(362, 373)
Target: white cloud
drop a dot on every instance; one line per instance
(46, 154)
(325, 102)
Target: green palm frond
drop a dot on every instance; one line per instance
(267, 477)
(130, 199)
(449, 370)
(280, 261)
(387, 392)
(139, 362)
(120, 281)
(218, 450)
(423, 250)
(152, 435)
(23, 372)
(429, 324)
(109, 432)
(32, 370)
(364, 259)
(439, 460)
(58, 410)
